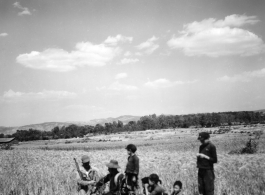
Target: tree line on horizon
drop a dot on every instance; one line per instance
(149, 122)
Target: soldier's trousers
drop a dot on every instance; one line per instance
(206, 181)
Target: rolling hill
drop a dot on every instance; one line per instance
(48, 126)
(125, 119)
(262, 110)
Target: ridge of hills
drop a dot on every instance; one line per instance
(48, 126)
(262, 110)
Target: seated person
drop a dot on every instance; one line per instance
(177, 187)
(151, 185)
(114, 177)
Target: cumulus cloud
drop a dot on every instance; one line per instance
(129, 60)
(138, 54)
(45, 95)
(119, 38)
(116, 86)
(164, 83)
(244, 77)
(25, 10)
(127, 54)
(214, 38)
(84, 54)
(121, 75)
(3, 34)
(132, 97)
(149, 46)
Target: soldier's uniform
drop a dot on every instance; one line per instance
(89, 178)
(206, 168)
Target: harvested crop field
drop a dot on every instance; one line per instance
(52, 170)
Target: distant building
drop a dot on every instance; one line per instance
(89, 135)
(5, 142)
(236, 123)
(195, 126)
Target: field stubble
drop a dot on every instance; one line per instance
(53, 171)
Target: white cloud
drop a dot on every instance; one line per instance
(129, 60)
(133, 97)
(127, 54)
(121, 75)
(244, 77)
(53, 59)
(164, 83)
(119, 38)
(138, 54)
(165, 53)
(45, 95)
(25, 10)
(116, 86)
(216, 38)
(149, 46)
(3, 34)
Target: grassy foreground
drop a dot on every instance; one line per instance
(53, 172)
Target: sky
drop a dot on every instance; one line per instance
(64, 60)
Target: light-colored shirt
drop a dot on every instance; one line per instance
(91, 175)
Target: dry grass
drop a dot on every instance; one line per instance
(53, 172)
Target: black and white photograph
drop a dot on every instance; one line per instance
(132, 97)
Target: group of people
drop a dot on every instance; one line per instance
(127, 183)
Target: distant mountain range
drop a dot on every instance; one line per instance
(48, 126)
(125, 119)
(262, 110)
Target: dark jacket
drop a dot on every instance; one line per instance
(209, 150)
(153, 190)
(113, 187)
(132, 165)
(179, 193)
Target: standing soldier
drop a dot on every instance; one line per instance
(88, 176)
(205, 159)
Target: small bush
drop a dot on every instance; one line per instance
(251, 146)
(6, 147)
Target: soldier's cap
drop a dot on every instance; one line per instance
(113, 164)
(85, 159)
(203, 135)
